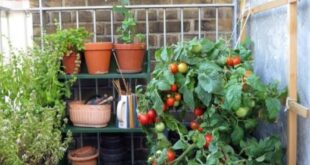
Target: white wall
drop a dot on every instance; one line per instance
(269, 32)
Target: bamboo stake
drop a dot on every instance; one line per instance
(292, 85)
(243, 21)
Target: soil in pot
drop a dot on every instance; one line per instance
(130, 57)
(71, 64)
(97, 56)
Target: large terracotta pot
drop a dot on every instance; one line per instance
(130, 57)
(97, 56)
(71, 64)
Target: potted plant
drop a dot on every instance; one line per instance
(223, 103)
(32, 113)
(70, 42)
(130, 52)
(97, 57)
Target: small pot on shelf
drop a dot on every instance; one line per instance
(97, 56)
(84, 156)
(71, 63)
(130, 57)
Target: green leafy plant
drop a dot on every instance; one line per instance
(127, 30)
(32, 107)
(226, 98)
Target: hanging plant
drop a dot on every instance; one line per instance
(215, 84)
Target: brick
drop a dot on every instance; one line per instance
(118, 17)
(65, 17)
(171, 39)
(191, 1)
(225, 12)
(102, 2)
(222, 1)
(149, 2)
(225, 35)
(174, 26)
(225, 25)
(85, 16)
(100, 28)
(209, 13)
(52, 3)
(210, 35)
(107, 28)
(103, 15)
(141, 14)
(51, 28)
(74, 2)
(170, 14)
(36, 30)
(34, 3)
(206, 25)
(68, 25)
(36, 18)
(188, 37)
(103, 38)
(153, 41)
(190, 13)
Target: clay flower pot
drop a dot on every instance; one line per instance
(97, 56)
(84, 156)
(130, 57)
(71, 64)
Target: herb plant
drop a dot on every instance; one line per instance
(32, 107)
(226, 98)
(127, 30)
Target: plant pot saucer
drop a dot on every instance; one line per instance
(100, 72)
(129, 71)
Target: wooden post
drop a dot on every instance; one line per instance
(243, 19)
(292, 84)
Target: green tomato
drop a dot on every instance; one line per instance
(160, 127)
(242, 112)
(196, 48)
(158, 153)
(252, 103)
(182, 67)
(221, 61)
(176, 103)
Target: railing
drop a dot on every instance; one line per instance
(180, 7)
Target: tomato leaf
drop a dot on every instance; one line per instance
(163, 86)
(201, 141)
(179, 145)
(169, 77)
(188, 97)
(203, 96)
(233, 96)
(237, 134)
(211, 83)
(273, 107)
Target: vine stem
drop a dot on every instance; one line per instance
(176, 161)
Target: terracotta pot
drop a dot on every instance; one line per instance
(70, 65)
(97, 56)
(90, 157)
(130, 57)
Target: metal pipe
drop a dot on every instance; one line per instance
(97, 91)
(80, 91)
(94, 26)
(182, 26)
(41, 23)
(217, 24)
(235, 21)
(77, 19)
(112, 30)
(199, 23)
(129, 7)
(147, 27)
(60, 20)
(26, 29)
(164, 21)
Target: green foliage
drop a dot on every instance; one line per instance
(233, 98)
(127, 30)
(32, 108)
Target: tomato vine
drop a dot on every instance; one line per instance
(218, 85)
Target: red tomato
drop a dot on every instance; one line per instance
(173, 68)
(170, 102)
(236, 60)
(194, 125)
(200, 129)
(177, 97)
(198, 111)
(152, 115)
(229, 61)
(170, 155)
(174, 88)
(144, 119)
(208, 138)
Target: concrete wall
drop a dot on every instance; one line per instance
(269, 32)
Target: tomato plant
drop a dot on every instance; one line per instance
(170, 155)
(152, 115)
(213, 93)
(174, 88)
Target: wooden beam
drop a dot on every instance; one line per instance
(292, 84)
(267, 6)
(299, 109)
(243, 21)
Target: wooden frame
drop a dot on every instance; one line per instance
(294, 108)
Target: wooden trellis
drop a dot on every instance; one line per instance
(294, 108)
